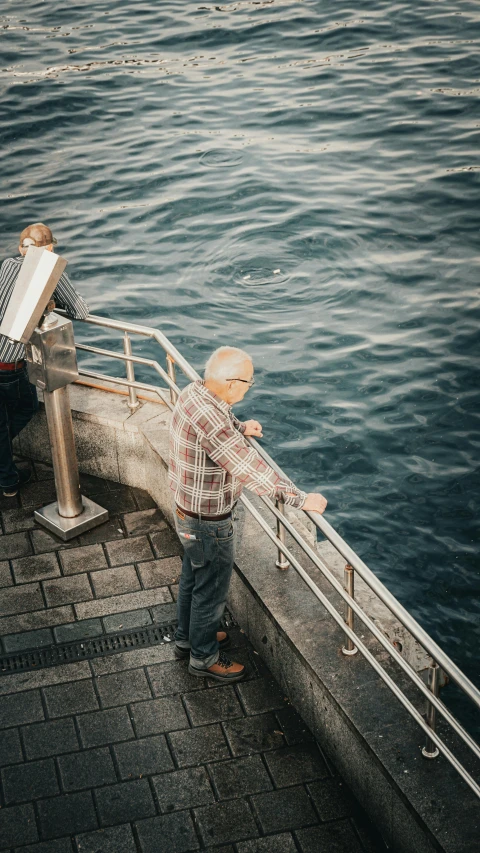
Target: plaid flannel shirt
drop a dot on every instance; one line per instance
(211, 461)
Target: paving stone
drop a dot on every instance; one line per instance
(115, 581)
(30, 781)
(106, 532)
(5, 574)
(172, 833)
(232, 821)
(51, 738)
(240, 777)
(18, 708)
(293, 727)
(196, 746)
(129, 619)
(10, 748)
(15, 545)
(174, 591)
(103, 727)
(59, 845)
(143, 499)
(67, 590)
(169, 678)
(87, 558)
(44, 542)
(164, 614)
(295, 764)
(59, 674)
(160, 572)
(261, 695)
(332, 799)
(183, 789)
(123, 603)
(131, 660)
(283, 843)
(82, 630)
(15, 520)
(92, 485)
(166, 543)
(70, 698)
(17, 826)
(114, 839)
(337, 837)
(8, 503)
(144, 521)
(143, 757)
(86, 769)
(123, 687)
(253, 734)
(67, 814)
(129, 551)
(213, 706)
(37, 568)
(36, 619)
(19, 599)
(37, 494)
(117, 502)
(28, 640)
(159, 715)
(287, 809)
(125, 801)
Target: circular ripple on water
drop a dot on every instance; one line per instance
(260, 276)
(221, 158)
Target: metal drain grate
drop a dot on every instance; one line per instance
(108, 644)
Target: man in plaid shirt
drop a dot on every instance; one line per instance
(210, 464)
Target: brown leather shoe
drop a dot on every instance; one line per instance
(223, 670)
(223, 642)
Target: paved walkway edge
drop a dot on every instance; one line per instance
(416, 804)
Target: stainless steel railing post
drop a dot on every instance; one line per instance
(172, 375)
(281, 562)
(64, 457)
(430, 750)
(349, 585)
(133, 402)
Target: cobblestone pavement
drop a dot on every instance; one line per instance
(127, 753)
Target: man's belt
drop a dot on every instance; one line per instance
(12, 365)
(201, 517)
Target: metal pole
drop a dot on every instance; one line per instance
(349, 585)
(171, 373)
(281, 562)
(60, 431)
(430, 750)
(133, 402)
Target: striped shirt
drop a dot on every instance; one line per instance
(65, 296)
(211, 461)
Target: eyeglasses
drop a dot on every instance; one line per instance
(248, 382)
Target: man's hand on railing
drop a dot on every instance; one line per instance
(315, 503)
(254, 429)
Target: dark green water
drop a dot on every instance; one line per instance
(300, 179)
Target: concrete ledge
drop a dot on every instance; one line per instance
(419, 806)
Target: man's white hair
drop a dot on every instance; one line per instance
(225, 363)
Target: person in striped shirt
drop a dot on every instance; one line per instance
(210, 463)
(18, 398)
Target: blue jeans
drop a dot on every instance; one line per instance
(206, 572)
(18, 404)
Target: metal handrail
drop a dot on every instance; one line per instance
(394, 606)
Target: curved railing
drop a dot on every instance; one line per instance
(440, 661)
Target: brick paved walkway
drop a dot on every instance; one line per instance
(127, 753)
